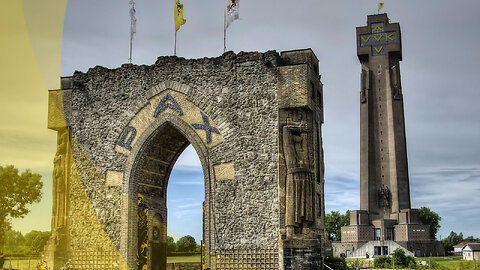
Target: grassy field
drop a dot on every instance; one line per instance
(440, 263)
(177, 259)
(21, 264)
(451, 263)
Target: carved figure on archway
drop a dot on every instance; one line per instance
(299, 184)
(59, 180)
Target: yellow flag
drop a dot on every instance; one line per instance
(380, 5)
(178, 15)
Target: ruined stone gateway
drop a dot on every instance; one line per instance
(255, 121)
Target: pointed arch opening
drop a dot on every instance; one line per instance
(148, 172)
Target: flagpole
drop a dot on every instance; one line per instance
(133, 26)
(131, 41)
(175, 44)
(130, 55)
(225, 27)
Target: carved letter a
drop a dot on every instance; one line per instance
(162, 106)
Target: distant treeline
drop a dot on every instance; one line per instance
(18, 245)
(183, 247)
(454, 239)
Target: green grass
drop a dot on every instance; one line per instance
(191, 258)
(21, 264)
(440, 263)
(451, 263)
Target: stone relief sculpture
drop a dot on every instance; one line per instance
(384, 196)
(395, 75)
(59, 179)
(299, 184)
(142, 245)
(365, 85)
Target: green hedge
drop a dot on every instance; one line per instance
(173, 254)
(336, 263)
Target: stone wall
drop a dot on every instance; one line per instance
(121, 120)
(238, 89)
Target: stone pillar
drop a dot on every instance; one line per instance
(300, 162)
(56, 248)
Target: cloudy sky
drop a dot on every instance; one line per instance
(440, 83)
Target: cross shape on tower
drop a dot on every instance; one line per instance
(378, 39)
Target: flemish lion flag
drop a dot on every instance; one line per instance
(178, 15)
(380, 5)
(232, 11)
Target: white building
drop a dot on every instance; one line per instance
(458, 248)
(471, 252)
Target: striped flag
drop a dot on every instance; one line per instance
(231, 11)
(133, 27)
(133, 19)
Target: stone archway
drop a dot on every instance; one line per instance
(255, 121)
(153, 141)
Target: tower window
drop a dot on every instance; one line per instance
(377, 234)
(389, 234)
(319, 205)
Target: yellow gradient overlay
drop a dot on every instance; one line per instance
(30, 46)
(24, 140)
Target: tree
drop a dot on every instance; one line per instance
(428, 217)
(36, 240)
(171, 247)
(16, 192)
(398, 259)
(452, 240)
(471, 238)
(186, 244)
(13, 239)
(333, 223)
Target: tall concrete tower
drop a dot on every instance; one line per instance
(384, 182)
(385, 220)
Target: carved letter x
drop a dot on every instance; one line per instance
(206, 126)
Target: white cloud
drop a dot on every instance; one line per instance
(188, 160)
(189, 205)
